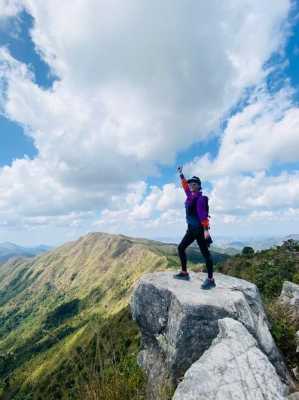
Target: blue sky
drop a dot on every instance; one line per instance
(14, 35)
(89, 112)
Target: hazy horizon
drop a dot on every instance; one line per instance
(218, 240)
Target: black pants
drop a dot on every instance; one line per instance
(198, 235)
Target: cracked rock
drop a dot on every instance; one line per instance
(179, 321)
(232, 368)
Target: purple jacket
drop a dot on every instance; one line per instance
(197, 212)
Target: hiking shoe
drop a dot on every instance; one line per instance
(182, 275)
(208, 284)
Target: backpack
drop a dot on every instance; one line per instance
(207, 204)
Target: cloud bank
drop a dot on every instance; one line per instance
(139, 82)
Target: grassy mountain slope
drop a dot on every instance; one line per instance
(52, 308)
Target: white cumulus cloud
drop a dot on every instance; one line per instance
(138, 82)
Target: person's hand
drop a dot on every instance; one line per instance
(180, 169)
(206, 233)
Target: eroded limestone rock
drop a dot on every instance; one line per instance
(232, 368)
(290, 296)
(179, 320)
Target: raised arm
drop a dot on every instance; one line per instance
(184, 182)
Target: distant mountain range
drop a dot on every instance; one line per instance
(256, 243)
(226, 245)
(9, 250)
(221, 245)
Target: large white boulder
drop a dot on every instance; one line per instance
(179, 320)
(232, 368)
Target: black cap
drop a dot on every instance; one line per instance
(194, 179)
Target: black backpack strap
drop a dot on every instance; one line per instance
(206, 202)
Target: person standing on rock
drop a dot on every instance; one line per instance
(197, 213)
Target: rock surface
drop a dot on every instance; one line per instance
(290, 296)
(179, 320)
(232, 368)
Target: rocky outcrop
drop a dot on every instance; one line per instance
(179, 322)
(290, 296)
(232, 368)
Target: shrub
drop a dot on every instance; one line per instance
(247, 251)
(283, 330)
(62, 313)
